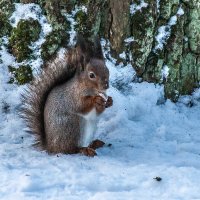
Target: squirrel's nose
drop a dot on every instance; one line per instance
(106, 86)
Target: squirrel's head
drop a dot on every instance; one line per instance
(96, 75)
(92, 68)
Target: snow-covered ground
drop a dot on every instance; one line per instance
(150, 138)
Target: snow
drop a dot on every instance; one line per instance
(173, 20)
(122, 55)
(70, 18)
(150, 138)
(164, 72)
(134, 7)
(180, 11)
(164, 33)
(72, 31)
(27, 11)
(129, 40)
(162, 36)
(84, 9)
(165, 30)
(198, 4)
(158, 5)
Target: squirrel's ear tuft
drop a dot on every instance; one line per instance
(87, 49)
(97, 48)
(84, 49)
(81, 43)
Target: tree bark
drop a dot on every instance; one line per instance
(180, 54)
(172, 59)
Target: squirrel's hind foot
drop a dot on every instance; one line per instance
(87, 151)
(96, 144)
(90, 150)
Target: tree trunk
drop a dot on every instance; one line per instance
(173, 58)
(160, 38)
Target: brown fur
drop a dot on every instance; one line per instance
(53, 105)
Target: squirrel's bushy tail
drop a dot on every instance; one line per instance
(36, 93)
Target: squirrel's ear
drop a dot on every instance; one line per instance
(81, 43)
(80, 65)
(97, 48)
(83, 49)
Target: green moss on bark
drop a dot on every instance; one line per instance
(142, 26)
(180, 52)
(59, 37)
(53, 42)
(168, 8)
(27, 31)
(5, 27)
(20, 75)
(193, 30)
(189, 72)
(81, 25)
(7, 7)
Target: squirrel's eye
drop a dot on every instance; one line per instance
(92, 75)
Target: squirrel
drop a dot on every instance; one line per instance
(62, 104)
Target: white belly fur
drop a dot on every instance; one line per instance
(89, 127)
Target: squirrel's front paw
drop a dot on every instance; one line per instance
(99, 103)
(109, 102)
(87, 151)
